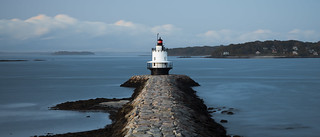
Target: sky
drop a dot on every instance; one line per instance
(132, 25)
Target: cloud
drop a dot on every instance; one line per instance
(34, 27)
(166, 29)
(226, 36)
(65, 19)
(219, 36)
(63, 31)
(260, 34)
(230, 35)
(124, 23)
(308, 35)
(294, 31)
(61, 25)
(223, 34)
(89, 29)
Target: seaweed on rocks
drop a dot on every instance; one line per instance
(86, 105)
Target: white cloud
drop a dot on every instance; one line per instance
(70, 32)
(307, 35)
(218, 36)
(261, 31)
(223, 34)
(226, 36)
(123, 27)
(65, 19)
(260, 34)
(61, 25)
(294, 31)
(166, 29)
(33, 27)
(91, 29)
(124, 23)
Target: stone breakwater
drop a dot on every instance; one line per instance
(165, 106)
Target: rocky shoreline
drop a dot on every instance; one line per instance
(162, 105)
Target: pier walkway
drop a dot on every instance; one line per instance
(166, 106)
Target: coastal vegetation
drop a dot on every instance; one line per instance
(275, 48)
(192, 51)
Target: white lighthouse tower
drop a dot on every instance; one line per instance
(159, 64)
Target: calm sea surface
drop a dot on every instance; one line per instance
(271, 97)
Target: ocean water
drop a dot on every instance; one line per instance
(271, 97)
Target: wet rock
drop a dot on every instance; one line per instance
(224, 112)
(48, 134)
(91, 104)
(115, 104)
(227, 112)
(289, 128)
(39, 60)
(223, 121)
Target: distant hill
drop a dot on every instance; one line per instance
(192, 51)
(291, 48)
(73, 53)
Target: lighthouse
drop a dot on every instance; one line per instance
(159, 64)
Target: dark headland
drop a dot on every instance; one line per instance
(161, 105)
(256, 49)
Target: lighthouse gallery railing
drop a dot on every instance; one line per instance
(160, 65)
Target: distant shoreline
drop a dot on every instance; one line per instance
(73, 53)
(12, 60)
(18, 60)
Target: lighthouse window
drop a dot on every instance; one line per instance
(154, 64)
(154, 58)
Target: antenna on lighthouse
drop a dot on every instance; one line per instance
(157, 36)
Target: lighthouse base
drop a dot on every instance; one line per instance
(159, 71)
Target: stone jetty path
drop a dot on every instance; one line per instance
(166, 106)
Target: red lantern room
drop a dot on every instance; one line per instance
(159, 42)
